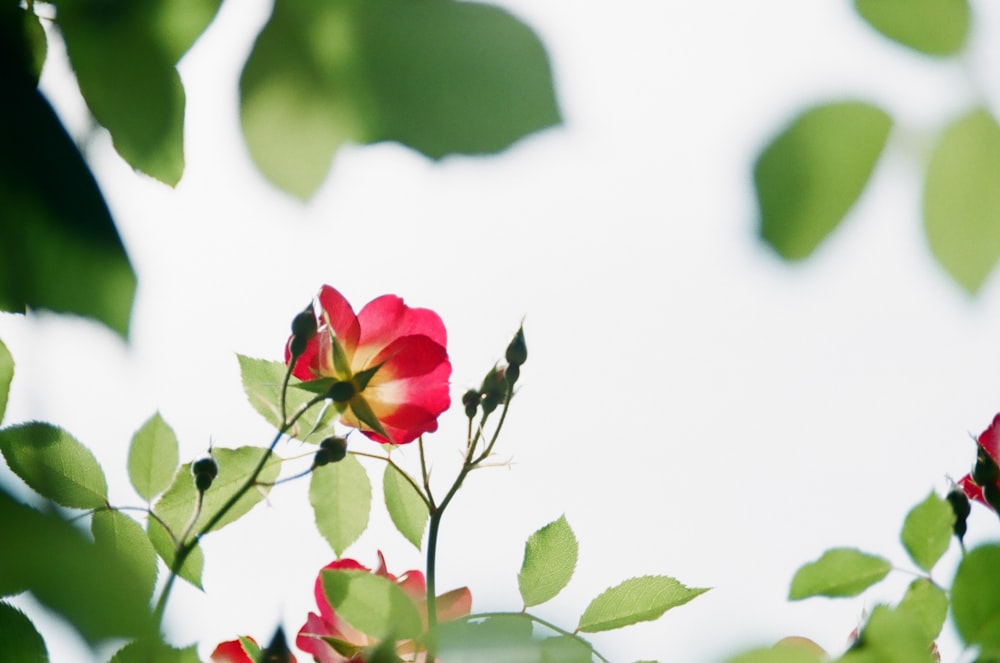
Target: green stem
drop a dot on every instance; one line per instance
(406, 476)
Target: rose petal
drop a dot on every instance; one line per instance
(454, 604)
(387, 318)
(989, 440)
(341, 316)
(304, 367)
(310, 640)
(324, 606)
(971, 490)
(407, 357)
(231, 651)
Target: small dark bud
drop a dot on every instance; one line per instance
(304, 324)
(297, 346)
(341, 392)
(493, 390)
(204, 470)
(511, 375)
(331, 450)
(991, 493)
(985, 471)
(517, 351)
(277, 651)
(470, 400)
(960, 506)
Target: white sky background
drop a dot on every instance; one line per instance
(694, 406)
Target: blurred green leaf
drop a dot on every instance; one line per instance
(927, 604)
(507, 638)
(975, 598)
(934, 27)
(890, 636)
(166, 548)
(176, 506)
(782, 652)
(25, 37)
(838, 572)
(176, 24)
(90, 586)
(373, 604)
(6, 377)
(262, 384)
(61, 249)
(124, 538)
(406, 506)
(128, 79)
(440, 76)
(635, 600)
(811, 174)
(19, 640)
(341, 497)
(154, 650)
(549, 561)
(927, 531)
(54, 464)
(152, 457)
(962, 201)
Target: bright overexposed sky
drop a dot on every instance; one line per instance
(694, 406)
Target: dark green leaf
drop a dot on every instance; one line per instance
(152, 457)
(122, 537)
(373, 604)
(176, 24)
(89, 585)
(341, 497)
(927, 531)
(975, 598)
(406, 506)
(549, 561)
(262, 384)
(22, 42)
(61, 249)
(55, 464)
(811, 174)
(962, 201)
(635, 600)
(166, 548)
(154, 651)
(19, 640)
(839, 572)
(927, 604)
(127, 76)
(6, 377)
(177, 505)
(440, 76)
(935, 27)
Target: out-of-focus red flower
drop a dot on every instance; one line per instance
(451, 605)
(231, 651)
(389, 364)
(986, 475)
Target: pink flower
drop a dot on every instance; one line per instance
(986, 476)
(327, 624)
(232, 651)
(388, 365)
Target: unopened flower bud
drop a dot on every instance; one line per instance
(985, 471)
(511, 375)
(470, 400)
(991, 493)
(277, 651)
(493, 390)
(331, 450)
(960, 506)
(204, 470)
(517, 351)
(304, 324)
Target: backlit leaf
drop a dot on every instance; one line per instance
(406, 506)
(927, 531)
(6, 377)
(838, 572)
(262, 384)
(166, 548)
(341, 497)
(124, 538)
(811, 174)
(975, 598)
(54, 464)
(549, 561)
(890, 636)
(373, 604)
(152, 457)
(635, 600)
(962, 201)
(935, 27)
(19, 640)
(927, 604)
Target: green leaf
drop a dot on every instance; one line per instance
(811, 174)
(440, 76)
(176, 506)
(373, 604)
(975, 598)
(927, 604)
(635, 600)
(91, 586)
(782, 652)
(154, 651)
(890, 636)
(961, 201)
(495, 639)
(152, 457)
(927, 531)
(934, 27)
(177, 24)
(122, 537)
(341, 497)
(54, 464)
(250, 647)
(166, 548)
(6, 377)
(549, 561)
(262, 381)
(406, 506)
(838, 572)
(61, 249)
(128, 79)
(24, 43)
(19, 640)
